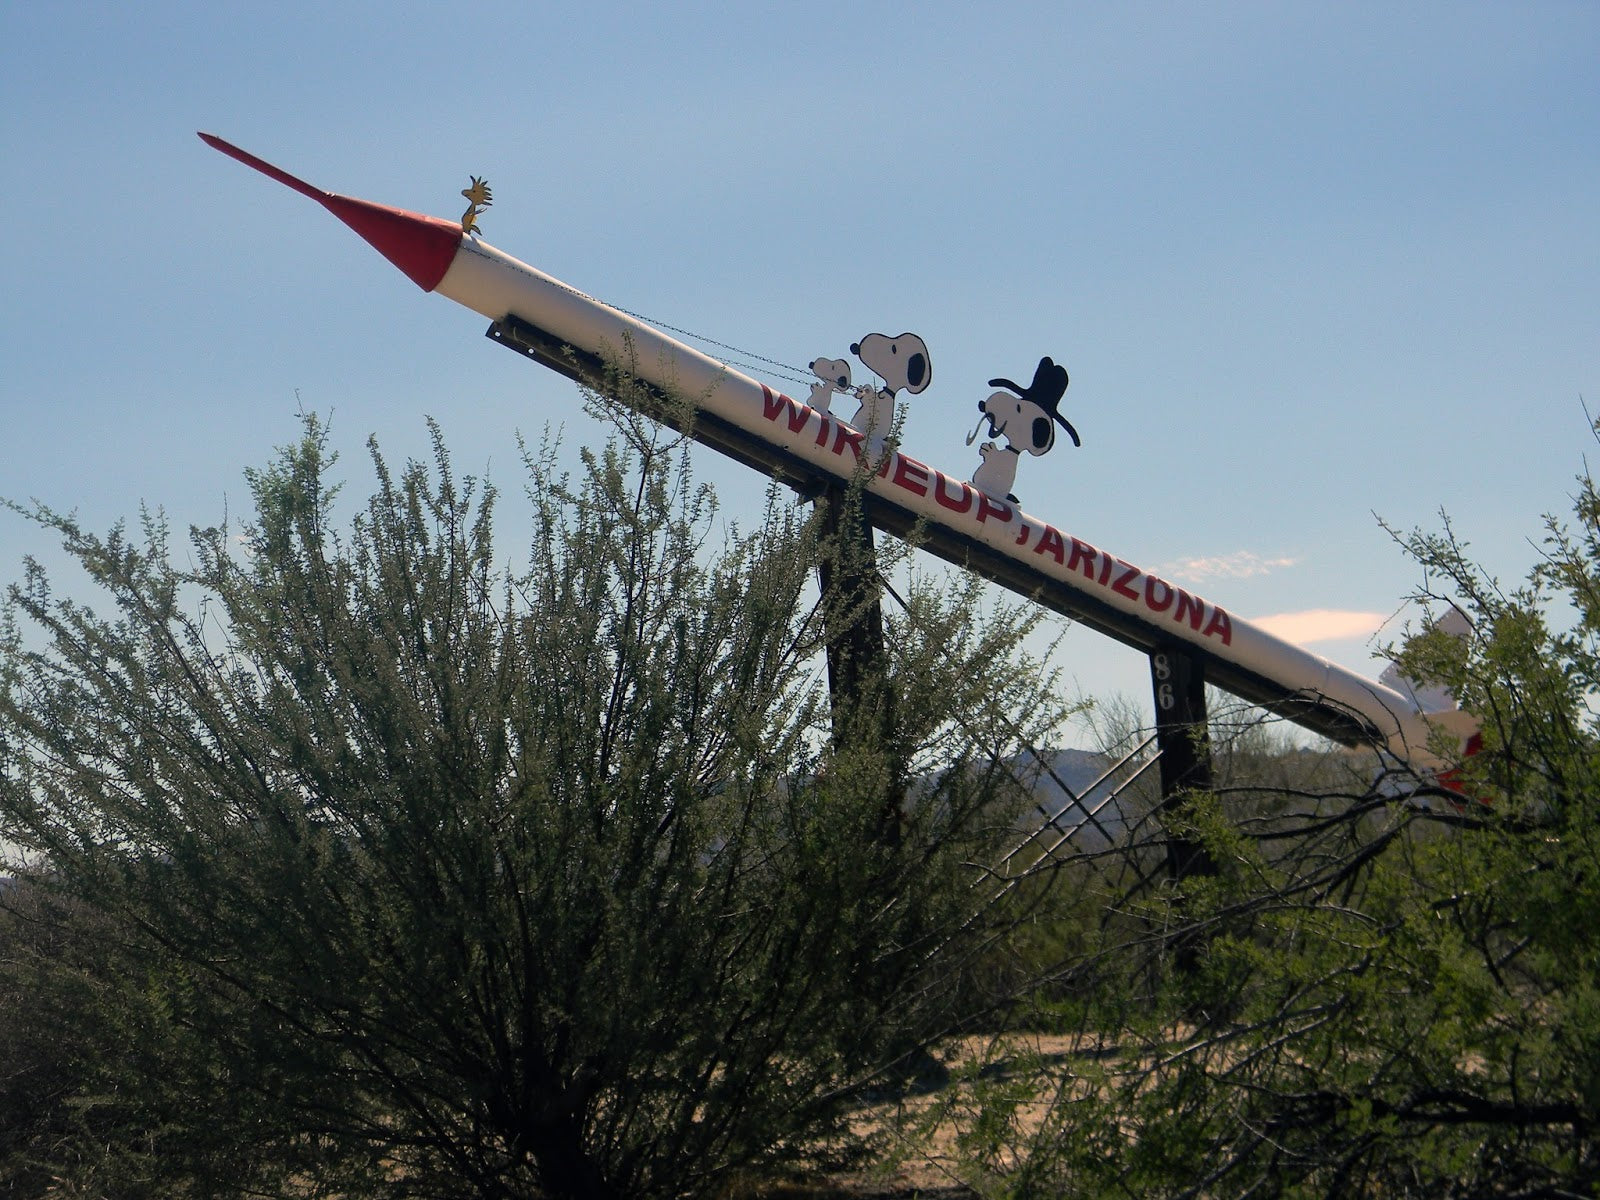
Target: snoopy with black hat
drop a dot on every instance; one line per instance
(1026, 419)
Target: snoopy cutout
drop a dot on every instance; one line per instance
(833, 376)
(1025, 420)
(903, 365)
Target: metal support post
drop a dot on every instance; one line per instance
(858, 661)
(1184, 743)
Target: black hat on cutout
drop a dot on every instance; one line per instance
(1048, 386)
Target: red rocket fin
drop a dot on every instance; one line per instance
(421, 246)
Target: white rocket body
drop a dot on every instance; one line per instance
(1115, 596)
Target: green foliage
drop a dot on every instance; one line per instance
(396, 871)
(104, 1074)
(1390, 998)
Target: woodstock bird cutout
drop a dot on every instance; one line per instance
(479, 198)
(1026, 420)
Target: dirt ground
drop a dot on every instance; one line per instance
(931, 1171)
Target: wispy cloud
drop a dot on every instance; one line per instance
(1321, 625)
(1241, 565)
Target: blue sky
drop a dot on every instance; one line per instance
(1308, 264)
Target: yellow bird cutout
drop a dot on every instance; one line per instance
(479, 197)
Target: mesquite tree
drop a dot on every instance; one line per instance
(412, 872)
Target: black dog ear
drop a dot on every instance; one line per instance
(917, 373)
(1044, 435)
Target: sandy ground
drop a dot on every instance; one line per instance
(930, 1170)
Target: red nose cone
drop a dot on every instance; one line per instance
(421, 246)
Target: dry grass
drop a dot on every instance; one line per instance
(920, 1153)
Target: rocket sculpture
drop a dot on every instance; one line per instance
(975, 525)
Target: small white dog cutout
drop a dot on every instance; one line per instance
(833, 378)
